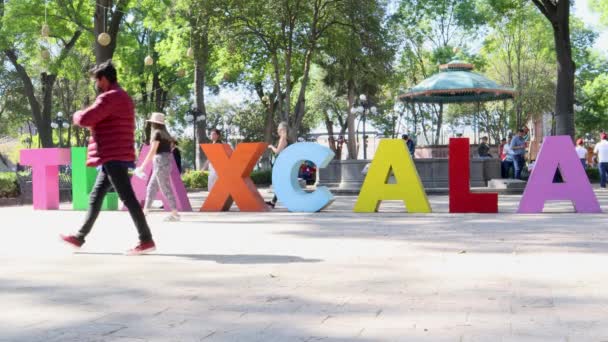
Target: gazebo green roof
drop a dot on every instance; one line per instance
(457, 83)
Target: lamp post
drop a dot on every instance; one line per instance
(589, 139)
(193, 117)
(365, 108)
(60, 123)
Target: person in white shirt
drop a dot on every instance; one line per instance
(581, 151)
(601, 149)
(506, 157)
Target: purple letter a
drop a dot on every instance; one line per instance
(558, 152)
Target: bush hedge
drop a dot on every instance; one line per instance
(8, 185)
(199, 179)
(262, 177)
(195, 179)
(593, 175)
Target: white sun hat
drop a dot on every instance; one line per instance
(158, 118)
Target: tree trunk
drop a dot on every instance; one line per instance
(277, 86)
(287, 110)
(439, 124)
(558, 14)
(107, 21)
(350, 121)
(564, 99)
(300, 109)
(201, 51)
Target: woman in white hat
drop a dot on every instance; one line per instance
(160, 153)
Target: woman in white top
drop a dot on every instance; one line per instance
(581, 151)
(216, 138)
(282, 131)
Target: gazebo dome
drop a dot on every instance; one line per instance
(457, 83)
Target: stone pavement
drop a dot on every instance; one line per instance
(331, 276)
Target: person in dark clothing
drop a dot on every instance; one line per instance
(411, 146)
(111, 149)
(177, 155)
(484, 149)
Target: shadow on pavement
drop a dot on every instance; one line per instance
(228, 259)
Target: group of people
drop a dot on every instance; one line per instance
(513, 150)
(512, 155)
(111, 149)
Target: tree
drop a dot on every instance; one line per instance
(558, 14)
(357, 57)
(518, 53)
(20, 31)
(429, 31)
(288, 33)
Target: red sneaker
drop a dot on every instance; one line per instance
(71, 240)
(142, 248)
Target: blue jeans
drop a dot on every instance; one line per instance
(603, 171)
(518, 163)
(584, 162)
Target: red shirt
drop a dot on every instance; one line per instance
(111, 120)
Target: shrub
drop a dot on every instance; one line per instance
(195, 179)
(593, 174)
(8, 185)
(262, 177)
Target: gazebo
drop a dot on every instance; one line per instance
(456, 83)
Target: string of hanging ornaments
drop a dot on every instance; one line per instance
(149, 61)
(104, 39)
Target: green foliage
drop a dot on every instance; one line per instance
(195, 179)
(198, 179)
(594, 115)
(8, 185)
(262, 177)
(593, 174)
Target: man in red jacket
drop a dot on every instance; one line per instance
(111, 120)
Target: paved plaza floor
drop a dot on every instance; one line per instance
(330, 276)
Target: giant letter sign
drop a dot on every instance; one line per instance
(83, 179)
(392, 155)
(233, 183)
(558, 152)
(462, 200)
(177, 185)
(285, 177)
(45, 174)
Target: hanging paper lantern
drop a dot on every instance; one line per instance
(181, 72)
(104, 39)
(190, 53)
(45, 54)
(45, 31)
(148, 61)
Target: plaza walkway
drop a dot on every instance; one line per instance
(331, 276)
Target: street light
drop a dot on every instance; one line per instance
(60, 123)
(365, 108)
(192, 117)
(589, 139)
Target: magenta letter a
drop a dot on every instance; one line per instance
(559, 152)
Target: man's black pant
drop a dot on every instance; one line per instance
(115, 174)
